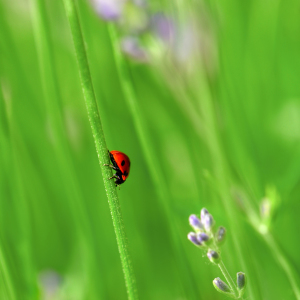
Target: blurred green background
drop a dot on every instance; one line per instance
(221, 121)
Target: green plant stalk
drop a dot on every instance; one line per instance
(227, 275)
(101, 148)
(155, 171)
(228, 279)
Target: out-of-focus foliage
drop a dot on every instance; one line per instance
(220, 98)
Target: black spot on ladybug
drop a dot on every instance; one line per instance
(123, 163)
(125, 173)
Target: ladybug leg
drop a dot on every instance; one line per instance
(117, 177)
(111, 166)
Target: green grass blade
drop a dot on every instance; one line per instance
(101, 148)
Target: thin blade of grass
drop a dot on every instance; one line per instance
(101, 148)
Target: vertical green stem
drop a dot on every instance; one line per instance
(228, 279)
(101, 148)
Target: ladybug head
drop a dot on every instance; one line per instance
(119, 180)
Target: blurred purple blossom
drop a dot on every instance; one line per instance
(180, 39)
(130, 46)
(50, 282)
(208, 222)
(195, 222)
(163, 27)
(193, 238)
(202, 237)
(220, 285)
(213, 256)
(220, 234)
(203, 213)
(186, 42)
(109, 10)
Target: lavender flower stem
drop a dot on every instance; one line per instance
(228, 279)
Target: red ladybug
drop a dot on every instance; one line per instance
(121, 164)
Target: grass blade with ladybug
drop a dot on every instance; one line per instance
(121, 164)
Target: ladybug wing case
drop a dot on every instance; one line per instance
(121, 161)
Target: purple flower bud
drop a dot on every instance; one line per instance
(208, 221)
(195, 222)
(109, 10)
(241, 282)
(213, 256)
(220, 235)
(130, 46)
(193, 238)
(202, 237)
(203, 213)
(221, 286)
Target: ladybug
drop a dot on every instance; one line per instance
(121, 164)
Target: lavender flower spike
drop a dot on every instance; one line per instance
(195, 223)
(207, 238)
(193, 238)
